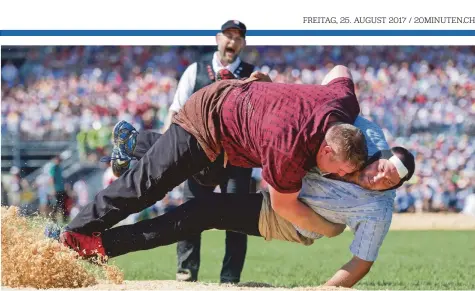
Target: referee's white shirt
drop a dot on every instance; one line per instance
(188, 80)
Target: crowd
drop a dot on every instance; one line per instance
(423, 97)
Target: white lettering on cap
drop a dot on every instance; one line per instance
(401, 169)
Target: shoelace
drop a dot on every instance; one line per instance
(107, 159)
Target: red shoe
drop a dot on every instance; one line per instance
(86, 246)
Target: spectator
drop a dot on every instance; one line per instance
(15, 189)
(44, 193)
(9, 73)
(4, 196)
(60, 195)
(423, 98)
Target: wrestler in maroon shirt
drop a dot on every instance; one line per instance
(286, 129)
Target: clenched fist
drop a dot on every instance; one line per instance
(261, 77)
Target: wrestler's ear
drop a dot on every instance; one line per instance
(327, 150)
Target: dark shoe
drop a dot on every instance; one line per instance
(125, 139)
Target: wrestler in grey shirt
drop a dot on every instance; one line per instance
(367, 213)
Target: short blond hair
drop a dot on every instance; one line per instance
(348, 142)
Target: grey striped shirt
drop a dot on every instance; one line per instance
(367, 213)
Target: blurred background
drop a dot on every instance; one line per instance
(62, 101)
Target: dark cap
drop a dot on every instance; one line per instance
(235, 24)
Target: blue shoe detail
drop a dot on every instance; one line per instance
(52, 231)
(125, 139)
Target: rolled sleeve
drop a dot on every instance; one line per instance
(283, 171)
(307, 233)
(345, 105)
(369, 237)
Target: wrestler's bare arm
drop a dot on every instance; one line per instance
(298, 213)
(350, 273)
(337, 72)
(260, 76)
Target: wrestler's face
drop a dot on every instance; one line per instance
(378, 176)
(329, 162)
(230, 43)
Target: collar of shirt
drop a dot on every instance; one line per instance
(316, 170)
(217, 66)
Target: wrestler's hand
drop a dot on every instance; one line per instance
(338, 229)
(224, 74)
(261, 77)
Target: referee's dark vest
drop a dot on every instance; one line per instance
(205, 74)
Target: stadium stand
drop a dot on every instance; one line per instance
(65, 100)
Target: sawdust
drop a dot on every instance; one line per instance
(29, 259)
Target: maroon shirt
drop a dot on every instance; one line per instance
(280, 127)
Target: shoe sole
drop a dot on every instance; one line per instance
(119, 169)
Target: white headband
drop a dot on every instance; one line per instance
(401, 169)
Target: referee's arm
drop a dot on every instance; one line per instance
(183, 92)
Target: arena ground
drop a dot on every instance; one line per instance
(400, 222)
(173, 285)
(432, 221)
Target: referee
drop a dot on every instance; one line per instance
(230, 41)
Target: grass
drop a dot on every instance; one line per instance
(408, 260)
